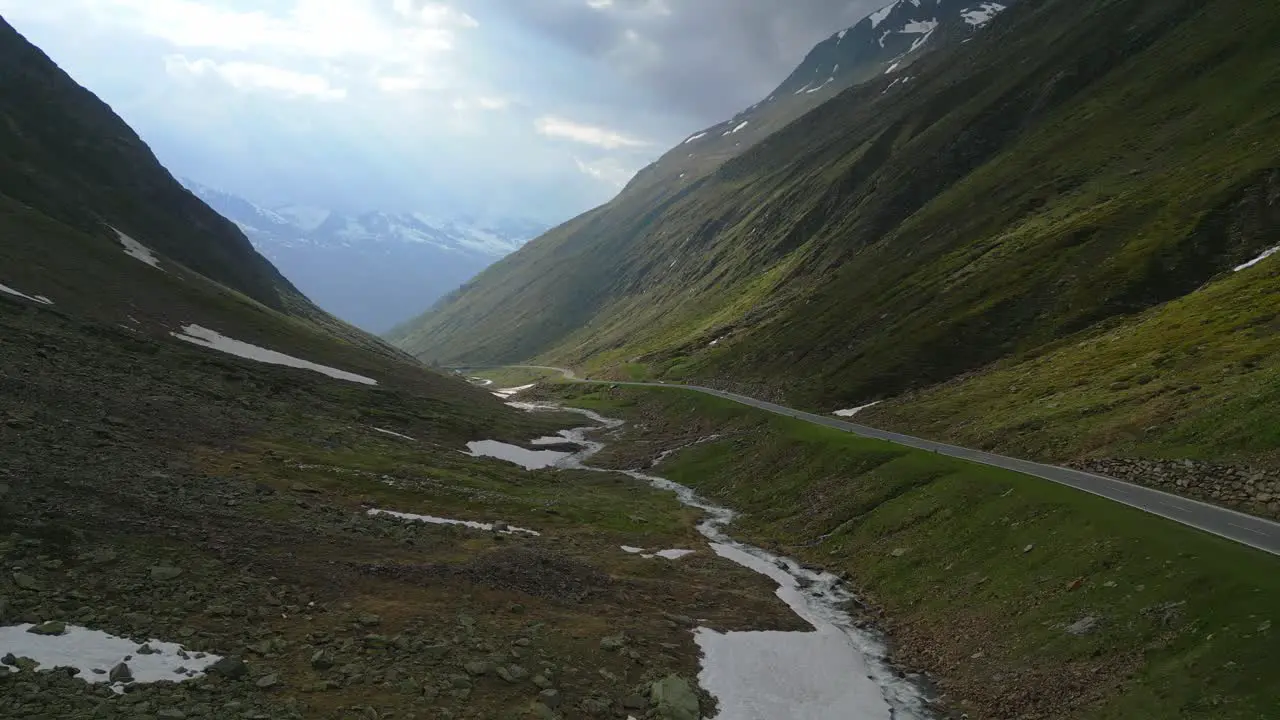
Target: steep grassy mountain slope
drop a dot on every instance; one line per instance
(1196, 378)
(93, 222)
(882, 45)
(1075, 162)
(68, 156)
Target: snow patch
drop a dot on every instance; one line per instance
(837, 671)
(433, 520)
(394, 434)
(917, 27)
(982, 14)
(665, 554)
(823, 85)
(33, 298)
(740, 126)
(1258, 259)
(505, 393)
(816, 675)
(854, 411)
(892, 68)
(698, 136)
(528, 459)
(305, 217)
(95, 653)
(921, 41)
(881, 15)
(674, 554)
(205, 337)
(137, 250)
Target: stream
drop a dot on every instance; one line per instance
(837, 671)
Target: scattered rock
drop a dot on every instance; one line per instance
(512, 673)
(1075, 584)
(681, 620)
(25, 582)
(898, 552)
(230, 667)
(53, 627)
(369, 620)
(436, 652)
(550, 698)
(120, 674)
(613, 643)
(478, 667)
(674, 699)
(321, 660)
(542, 712)
(1028, 548)
(1083, 626)
(164, 573)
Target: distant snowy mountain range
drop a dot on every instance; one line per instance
(372, 269)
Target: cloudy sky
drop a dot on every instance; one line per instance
(536, 108)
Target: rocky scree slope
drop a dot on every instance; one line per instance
(1072, 164)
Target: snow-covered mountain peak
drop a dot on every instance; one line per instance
(373, 268)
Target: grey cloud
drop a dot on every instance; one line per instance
(704, 59)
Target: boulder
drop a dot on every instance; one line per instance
(232, 668)
(673, 698)
(120, 674)
(53, 627)
(164, 573)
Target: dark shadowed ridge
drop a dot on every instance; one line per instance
(68, 156)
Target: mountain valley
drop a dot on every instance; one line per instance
(1040, 229)
(1062, 177)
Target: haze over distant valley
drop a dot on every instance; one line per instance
(372, 269)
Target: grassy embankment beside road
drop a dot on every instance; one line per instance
(1024, 598)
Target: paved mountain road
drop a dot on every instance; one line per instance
(1246, 529)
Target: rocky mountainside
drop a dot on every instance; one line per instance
(1066, 168)
(883, 44)
(371, 269)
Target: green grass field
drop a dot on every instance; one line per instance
(981, 571)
